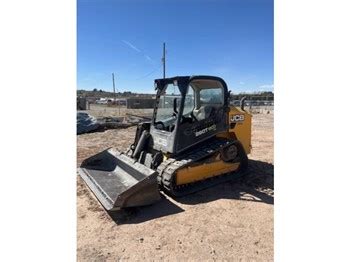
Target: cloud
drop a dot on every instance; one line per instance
(131, 46)
(149, 59)
(241, 83)
(266, 87)
(247, 91)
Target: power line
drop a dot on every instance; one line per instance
(153, 71)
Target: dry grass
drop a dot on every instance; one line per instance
(114, 111)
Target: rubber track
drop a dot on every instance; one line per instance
(167, 169)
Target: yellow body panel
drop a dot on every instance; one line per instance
(242, 126)
(203, 171)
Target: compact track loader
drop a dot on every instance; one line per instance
(195, 140)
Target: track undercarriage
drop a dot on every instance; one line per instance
(204, 155)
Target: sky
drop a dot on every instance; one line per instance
(232, 39)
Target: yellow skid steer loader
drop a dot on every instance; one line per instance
(194, 140)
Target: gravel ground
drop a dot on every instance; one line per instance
(232, 221)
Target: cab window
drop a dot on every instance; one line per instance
(213, 96)
(189, 101)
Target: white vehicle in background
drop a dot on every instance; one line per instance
(102, 101)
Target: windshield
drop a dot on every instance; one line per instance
(165, 111)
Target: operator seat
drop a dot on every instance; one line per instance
(203, 112)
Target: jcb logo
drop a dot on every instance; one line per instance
(237, 118)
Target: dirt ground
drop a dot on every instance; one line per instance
(229, 222)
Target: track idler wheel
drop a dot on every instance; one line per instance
(229, 153)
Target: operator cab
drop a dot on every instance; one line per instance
(188, 110)
(202, 100)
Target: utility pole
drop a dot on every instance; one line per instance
(113, 87)
(115, 96)
(163, 60)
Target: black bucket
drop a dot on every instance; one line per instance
(119, 181)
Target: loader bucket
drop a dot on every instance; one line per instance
(119, 181)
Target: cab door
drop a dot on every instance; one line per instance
(204, 113)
